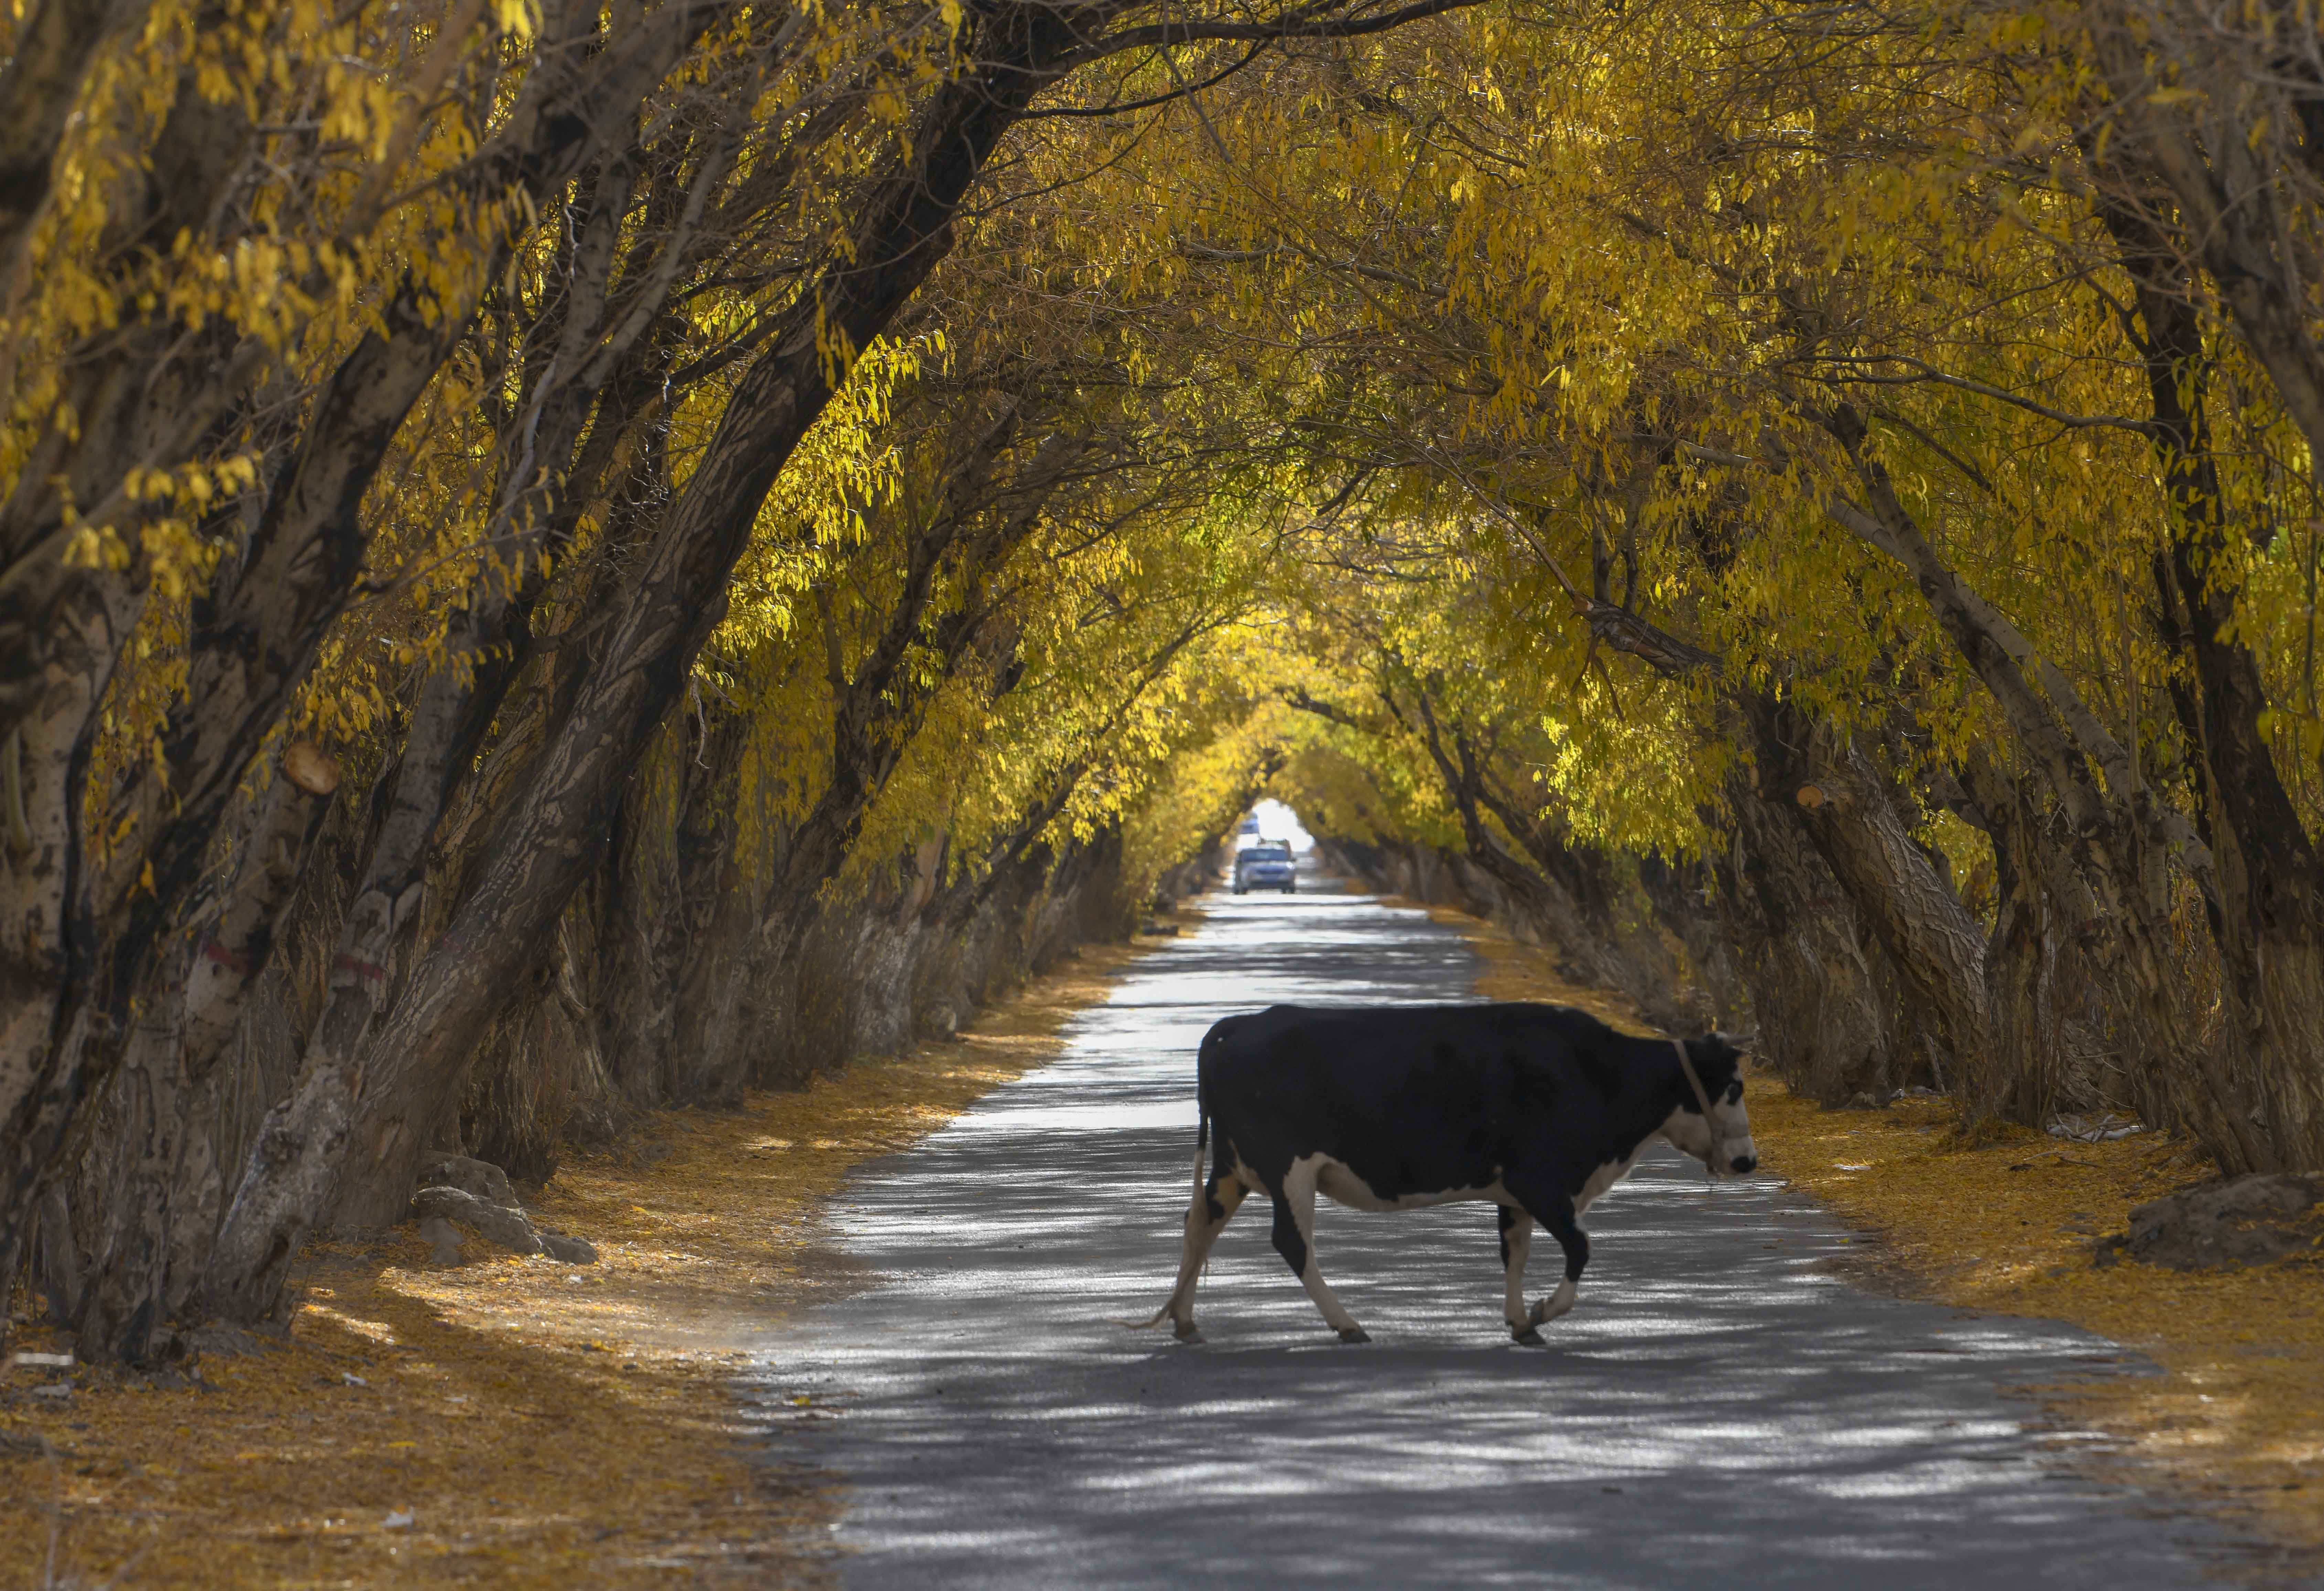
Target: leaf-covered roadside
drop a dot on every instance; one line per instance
(2008, 1225)
(2237, 1414)
(544, 1425)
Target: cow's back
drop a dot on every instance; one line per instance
(1411, 1098)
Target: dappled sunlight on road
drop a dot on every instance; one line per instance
(1721, 1409)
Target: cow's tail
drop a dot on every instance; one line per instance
(1201, 1143)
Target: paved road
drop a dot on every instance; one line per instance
(1720, 1411)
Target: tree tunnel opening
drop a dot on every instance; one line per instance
(1271, 822)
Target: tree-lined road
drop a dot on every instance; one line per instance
(1720, 1411)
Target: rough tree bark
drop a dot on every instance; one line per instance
(718, 909)
(1822, 1015)
(147, 1191)
(149, 393)
(639, 901)
(1934, 946)
(2042, 916)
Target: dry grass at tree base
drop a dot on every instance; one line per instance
(2236, 1418)
(543, 1425)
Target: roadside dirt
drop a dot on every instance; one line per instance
(2236, 1417)
(511, 1422)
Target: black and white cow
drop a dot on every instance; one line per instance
(1537, 1109)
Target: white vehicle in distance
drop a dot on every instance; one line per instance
(1265, 866)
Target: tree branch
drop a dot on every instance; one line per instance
(1310, 22)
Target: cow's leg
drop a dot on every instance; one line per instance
(1205, 1219)
(1516, 1241)
(1556, 1213)
(1295, 1240)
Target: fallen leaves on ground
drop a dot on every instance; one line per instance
(2008, 1225)
(2237, 1415)
(511, 1422)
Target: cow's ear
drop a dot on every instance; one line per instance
(1716, 1057)
(1719, 1056)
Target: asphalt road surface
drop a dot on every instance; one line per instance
(1721, 1410)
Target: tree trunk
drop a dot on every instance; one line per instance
(258, 631)
(2119, 829)
(2022, 954)
(2270, 911)
(1821, 1015)
(40, 85)
(271, 1212)
(550, 845)
(148, 1187)
(719, 908)
(1937, 950)
(2225, 158)
(642, 938)
(1683, 896)
(47, 948)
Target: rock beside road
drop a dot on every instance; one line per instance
(2241, 1220)
(483, 1179)
(448, 1214)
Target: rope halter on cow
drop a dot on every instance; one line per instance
(1711, 1167)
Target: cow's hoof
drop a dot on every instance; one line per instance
(1540, 1310)
(1528, 1337)
(1355, 1334)
(1189, 1336)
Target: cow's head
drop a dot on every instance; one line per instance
(1724, 1142)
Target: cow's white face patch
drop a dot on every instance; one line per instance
(1687, 1132)
(1727, 1135)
